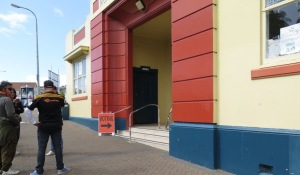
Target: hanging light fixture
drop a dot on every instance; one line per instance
(140, 5)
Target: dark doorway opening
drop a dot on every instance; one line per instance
(145, 92)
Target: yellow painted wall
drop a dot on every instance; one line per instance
(268, 103)
(156, 54)
(80, 108)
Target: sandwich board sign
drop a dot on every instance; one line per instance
(106, 123)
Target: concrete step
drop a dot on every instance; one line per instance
(152, 137)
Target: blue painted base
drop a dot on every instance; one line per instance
(193, 143)
(239, 150)
(92, 123)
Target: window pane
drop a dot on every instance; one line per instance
(83, 67)
(76, 86)
(83, 84)
(80, 68)
(75, 70)
(80, 86)
(272, 2)
(283, 30)
(80, 76)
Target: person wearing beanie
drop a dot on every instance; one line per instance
(49, 124)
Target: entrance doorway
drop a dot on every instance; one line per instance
(151, 48)
(145, 92)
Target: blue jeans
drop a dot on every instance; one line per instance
(43, 138)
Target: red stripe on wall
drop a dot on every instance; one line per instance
(117, 99)
(115, 61)
(183, 8)
(97, 53)
(200, 21)
(196, 67)
(79, 35)
(97, 100)
(116, 87)
(96, 41)
(193, 90)
(96, 110)
(97, 76)
(192, 61)
(97, 88)
(98, 19)
(193, 112)
(96, 30)
(195, 45)
(95, 6)
(115, 74)
(96, 65)
(276, 71)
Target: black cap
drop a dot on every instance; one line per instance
(48, 84)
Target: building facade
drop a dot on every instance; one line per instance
(228, 69)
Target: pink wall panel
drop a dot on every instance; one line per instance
(182, 8)
(97, 100)
(115, 61)
(199, 44)
(195, 23)
(115, 74)
(117, 99)
(116, 36)
(115, 25)
(97, 53)
(96, 30)
(116, 86)
(97, 76)
(198, 89)
(97, 88)
(96, 41)
(96, 20)
(96, 65)
(95, 6)
(193, 112)
(79, 35)
(196, 67)
(116, 49)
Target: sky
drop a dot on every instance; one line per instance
(18, 46)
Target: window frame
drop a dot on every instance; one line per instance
(81, 77)
(279, 60)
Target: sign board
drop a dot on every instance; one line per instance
(54, 77)
(106, 123)
(290, 39)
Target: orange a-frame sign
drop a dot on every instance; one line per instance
(106, 123)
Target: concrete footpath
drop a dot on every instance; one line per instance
(86, 153)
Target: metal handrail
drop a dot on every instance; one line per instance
(122, 109)
(130, 117)
(169, 120)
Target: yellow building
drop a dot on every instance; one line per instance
(229, 69)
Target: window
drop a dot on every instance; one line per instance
(80, 76)
(281, 31)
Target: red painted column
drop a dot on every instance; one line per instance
(192, 61)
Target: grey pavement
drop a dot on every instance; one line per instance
(86, 153)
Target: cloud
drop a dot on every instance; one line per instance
(12, 23)
(58, 11)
